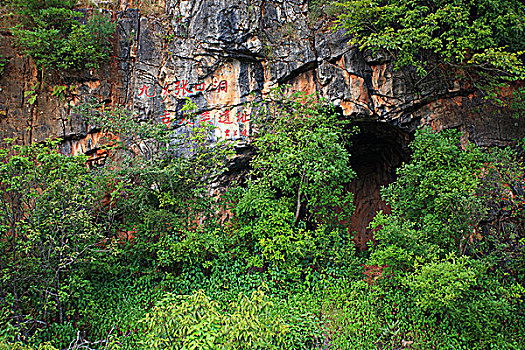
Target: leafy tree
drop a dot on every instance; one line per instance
(436, 247)
(434, 203)
(444, 201)
(295, 201)
(163, 186)
(48, 232)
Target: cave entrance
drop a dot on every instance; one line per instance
(376, 152)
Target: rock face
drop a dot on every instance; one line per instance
(222, 54)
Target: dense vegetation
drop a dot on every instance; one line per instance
(485, 34)
(163, 248)
(148, 253)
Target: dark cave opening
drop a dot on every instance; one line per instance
(377, 150)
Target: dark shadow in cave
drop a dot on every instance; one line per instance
(376, 152)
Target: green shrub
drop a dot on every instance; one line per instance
(20, 346)
(480, 33)
(53, 36)
(443, 285)
(439, 278)
(47, 233)
(196, 322)
(471, 42)
(434, 202)
(294, 204)
(165, 197)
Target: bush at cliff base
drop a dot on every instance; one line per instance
(440, 282)
(431, 281)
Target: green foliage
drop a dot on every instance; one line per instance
(442, 196)
(47, 232)
(3, 63)
(459, 31)
(20, 346)
(431, 248)
(55, 38)
(473, 301)
(58, 91)
(478, 41)
(178, 242)
(196, 322)
(434, 204)
(295, 203)
(141, 254)
(443, 284)
(301, 153)
(502, 191)
(177, 323)
(164, 194)
(31, 95)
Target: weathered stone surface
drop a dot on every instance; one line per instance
(249, 46)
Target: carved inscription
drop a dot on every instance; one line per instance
(231, 123)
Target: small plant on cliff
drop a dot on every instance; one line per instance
(3, 63)
(323, 8)
(58, 37)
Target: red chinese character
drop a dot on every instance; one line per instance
(186, 120)
(243, 117)
(166, 119)
(227, 132)
(244, 132)
(205, 117)
(144, 91)
(223, 86)
(200, 87)
(225, 117)
(182, 86)
(234, 133)
(165, 92)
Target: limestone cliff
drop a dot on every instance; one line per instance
(217, 52)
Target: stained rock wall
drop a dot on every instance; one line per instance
(221, 53)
